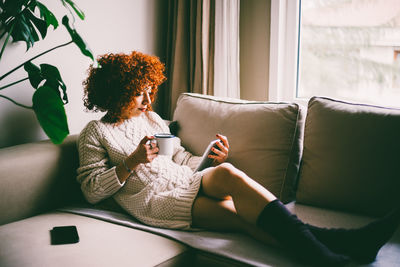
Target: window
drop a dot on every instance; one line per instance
(345, 49)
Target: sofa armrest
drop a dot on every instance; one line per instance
(37, 177)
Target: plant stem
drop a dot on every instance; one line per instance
(41, 54)
(16, 103)
(6, 41)
(3, 33)
(11, 84)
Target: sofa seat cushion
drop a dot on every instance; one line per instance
(389, 255)
(351, 157)
(264, 137)
(236, 249)
(27, 243)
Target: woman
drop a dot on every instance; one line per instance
(117, 159)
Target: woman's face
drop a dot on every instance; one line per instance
(141, 102)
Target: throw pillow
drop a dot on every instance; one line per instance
(264, 137)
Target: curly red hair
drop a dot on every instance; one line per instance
(118, 78)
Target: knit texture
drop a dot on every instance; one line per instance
(160, 193)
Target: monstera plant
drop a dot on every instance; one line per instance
(29, 21)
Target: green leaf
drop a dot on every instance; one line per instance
(31, 4)
(22, 32)
(13, 7)
(40, 24)
(34, 74)
(33, 36)
(50, 72)
(53, 78)
(26, 27)
(77, 10)
(77, 39)
(50, 112)
(47, 15)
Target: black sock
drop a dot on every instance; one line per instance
(293, 234)
(362, 244)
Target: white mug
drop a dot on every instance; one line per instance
(165, 143)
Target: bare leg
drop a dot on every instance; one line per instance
(251, 202)
(220, 215)
(248, 196)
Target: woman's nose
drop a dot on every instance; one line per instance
(147, 98)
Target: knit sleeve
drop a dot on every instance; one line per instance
(98, 180)
(183, 157)
(180, 156)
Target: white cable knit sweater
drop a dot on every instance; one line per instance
(159, 193)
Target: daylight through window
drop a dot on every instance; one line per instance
(350, 50)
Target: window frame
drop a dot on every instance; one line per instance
(284, 62)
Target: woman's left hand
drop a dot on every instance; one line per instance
(221, 154)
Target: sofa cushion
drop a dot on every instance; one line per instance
(237, 249)
(264, 137)
(37, 177)
(388, 255)
(350, 158)
(27, 243)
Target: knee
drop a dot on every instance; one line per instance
(225, 169)
(225, 180)
(228, 173)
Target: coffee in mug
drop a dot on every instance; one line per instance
(165, 143)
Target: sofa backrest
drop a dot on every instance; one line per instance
(36, 177)
(265, 138)
(351, 157)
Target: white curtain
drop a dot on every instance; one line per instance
(202, 50)
(226, 49)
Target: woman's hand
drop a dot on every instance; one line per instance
(146, 151)
(221, 154)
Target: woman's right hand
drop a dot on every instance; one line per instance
(145, 152)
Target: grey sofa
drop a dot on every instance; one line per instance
(334, 164)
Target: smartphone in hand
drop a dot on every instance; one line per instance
(206, 161)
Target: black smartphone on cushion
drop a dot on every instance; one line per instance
(64, 235)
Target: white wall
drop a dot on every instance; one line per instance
(110, 26)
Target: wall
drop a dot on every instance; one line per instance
(254, 49)
(122, 26)
(110, 26)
